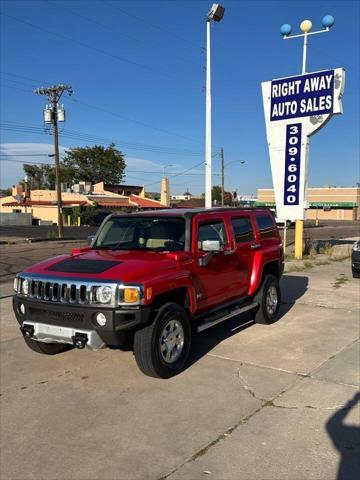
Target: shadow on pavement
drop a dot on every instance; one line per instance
(292, 288)
(346, 438)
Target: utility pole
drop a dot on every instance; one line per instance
(52, 115)
(222, 176)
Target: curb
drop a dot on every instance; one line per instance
(37, 240)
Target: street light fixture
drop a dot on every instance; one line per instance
(215, 15)
(167, 165)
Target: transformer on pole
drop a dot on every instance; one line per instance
(52, 115)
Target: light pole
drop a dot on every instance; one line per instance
(216, 14)
(165, 167)
(285, 30)
(223, 165)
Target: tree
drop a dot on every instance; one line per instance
(216, 196)
(96, 164)
(43, 176)
(6, 192)
(36, 175)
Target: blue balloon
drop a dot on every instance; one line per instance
(285, 29)
(328, 21)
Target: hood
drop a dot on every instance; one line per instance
(127, 266)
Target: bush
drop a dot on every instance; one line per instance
(93, 216)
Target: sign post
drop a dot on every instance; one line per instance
(295, 108)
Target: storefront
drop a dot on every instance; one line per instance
(325, 203)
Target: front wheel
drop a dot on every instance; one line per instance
(268, 298)
(162, 348)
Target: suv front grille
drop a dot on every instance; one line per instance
(63, 292)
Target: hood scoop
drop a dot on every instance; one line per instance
(75, 265)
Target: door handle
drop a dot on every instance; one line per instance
(255, 246)
(230, 251)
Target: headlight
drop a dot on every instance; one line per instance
(25, 286)
(103, 294)
(356, 247)
(16, 284)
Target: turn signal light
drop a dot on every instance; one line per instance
(131, 295)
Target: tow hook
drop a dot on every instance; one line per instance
(79, 340)
(27, 330)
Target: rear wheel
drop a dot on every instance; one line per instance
(46, 348)
(268, 298)
(162, 348)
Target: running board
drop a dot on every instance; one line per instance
(237, 311)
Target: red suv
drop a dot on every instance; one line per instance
(153, 279)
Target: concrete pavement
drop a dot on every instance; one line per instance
(256, 402)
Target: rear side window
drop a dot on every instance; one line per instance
(242, 229)
(265, 225)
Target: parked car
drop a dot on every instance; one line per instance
(355, 260)
(153, 279)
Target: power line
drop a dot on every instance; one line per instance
(153, 25)
(85, 45)
(24, 162)
(15, 88)
(117, 32)
(116, 114)
(143, 172)
(177, 174)
(25, 155)
(133, 121)
(24, 128)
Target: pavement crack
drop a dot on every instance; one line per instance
(246, 386)
(222, 436)
(207, 447)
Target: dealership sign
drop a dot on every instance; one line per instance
(295, 108)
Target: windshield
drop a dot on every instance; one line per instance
(142, 233)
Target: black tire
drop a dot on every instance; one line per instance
(150, 346)
(267, 311)
(355, 274)
(46, 348)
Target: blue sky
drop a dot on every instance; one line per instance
(137, 70)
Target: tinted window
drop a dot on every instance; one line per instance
(212, 231)
(266, 226)
(137, 233)
(242, 229)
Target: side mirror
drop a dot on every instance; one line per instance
(90, 239)
(211, 246)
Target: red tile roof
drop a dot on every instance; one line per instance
(192, 203)
(145, 202)
(117, 204)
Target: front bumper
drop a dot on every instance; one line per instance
(79, 319)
